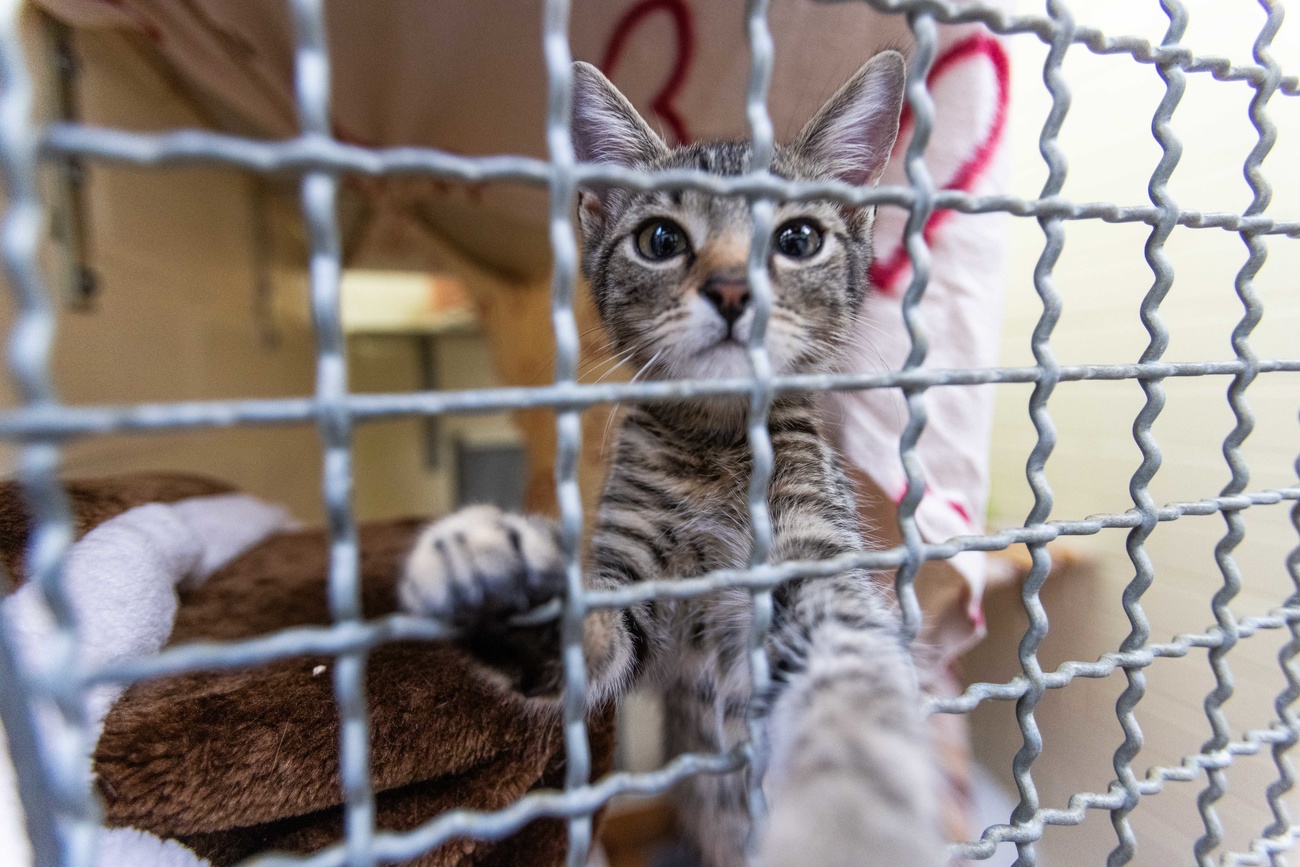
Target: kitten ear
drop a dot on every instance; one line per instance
(852, 135)
(606, 128)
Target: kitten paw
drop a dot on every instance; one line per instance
(482, 564)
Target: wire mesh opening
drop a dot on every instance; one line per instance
(63, 814)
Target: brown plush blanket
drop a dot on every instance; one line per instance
(235, 763)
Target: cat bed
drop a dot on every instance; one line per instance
(234, 763)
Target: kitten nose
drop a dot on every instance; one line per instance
(729, 297)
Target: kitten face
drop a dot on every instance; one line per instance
(668, 269)
(669, 273)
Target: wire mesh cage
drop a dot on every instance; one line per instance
(62, 813)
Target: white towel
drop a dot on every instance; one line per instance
(961, 315)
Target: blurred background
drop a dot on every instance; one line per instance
(1102, 277)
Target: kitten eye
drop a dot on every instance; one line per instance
(661, 239)
(798, 239)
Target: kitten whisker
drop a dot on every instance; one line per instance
(613, 410)
(588, 354)
(654, 358)
(618, 361)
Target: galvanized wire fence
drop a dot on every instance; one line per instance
(62, 812)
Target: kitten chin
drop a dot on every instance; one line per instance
(730, 360)
(726, 360)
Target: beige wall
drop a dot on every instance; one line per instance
(173, 321)
(1102, 278)
(174, 252)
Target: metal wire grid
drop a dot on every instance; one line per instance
(62, 812)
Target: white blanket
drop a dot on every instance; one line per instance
(121, 579)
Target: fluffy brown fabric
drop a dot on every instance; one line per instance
(235, 763)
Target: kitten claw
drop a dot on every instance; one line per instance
(481, 563)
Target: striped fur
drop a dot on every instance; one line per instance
(850, 781)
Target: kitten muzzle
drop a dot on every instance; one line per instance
(729, 297)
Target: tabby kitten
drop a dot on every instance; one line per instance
(850, 780)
